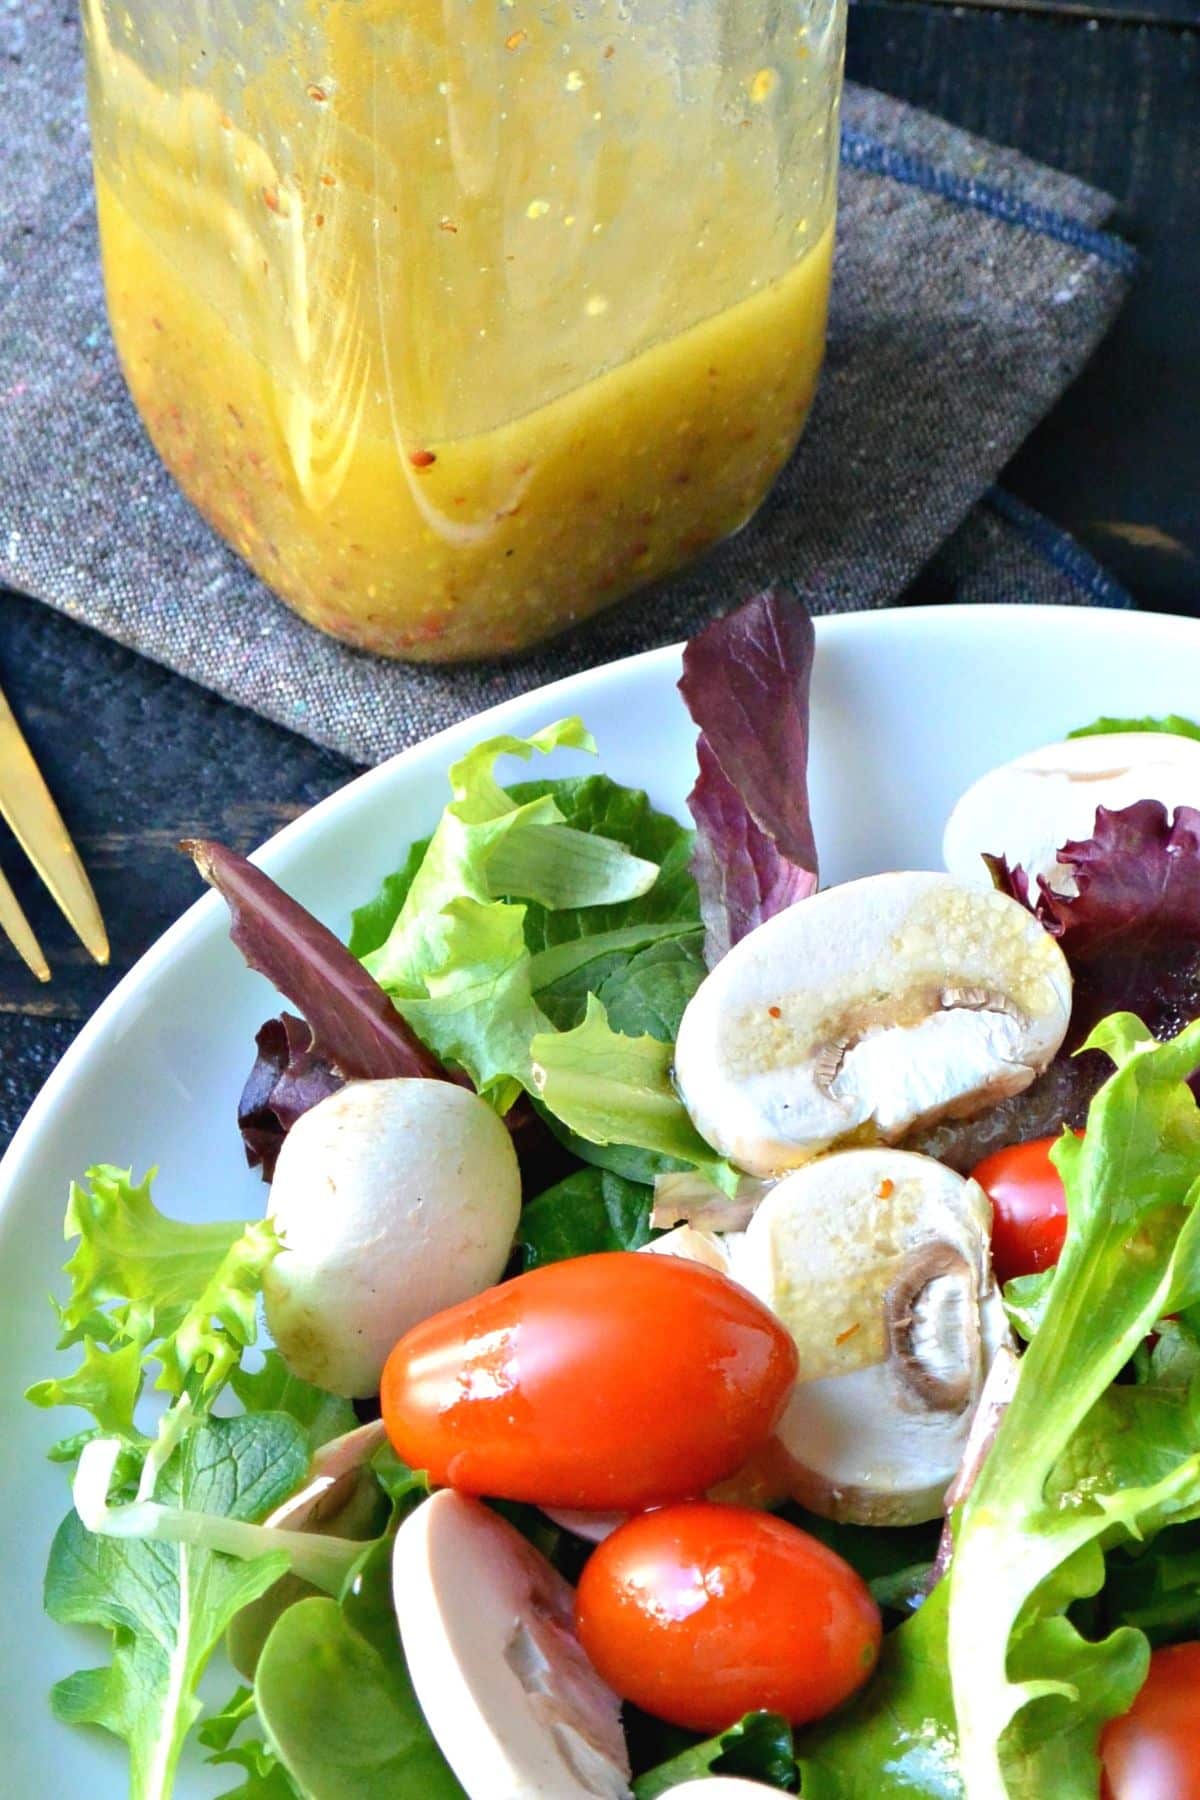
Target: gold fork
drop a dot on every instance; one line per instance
(27, 806)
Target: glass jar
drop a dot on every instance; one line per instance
(460, 319)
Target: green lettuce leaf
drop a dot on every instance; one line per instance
(319, 1557)
(643, 987)
(455, 959)
(590, 803)
(273, 1388)
(264, 1776)
(404, 1487)
(591, 1210)
(1078, 1466)
(894, 1560)
(758, 1747)
(895, 1738)
(608, 1089)
(333, 1691)
(107, 1383)
(1155, 1587)
(1172, 723)
(166, 1605)
(484, 947)
(145, 1287)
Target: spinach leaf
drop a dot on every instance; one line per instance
(334, 1693)
(591, 1210)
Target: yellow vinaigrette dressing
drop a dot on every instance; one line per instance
(420, 377)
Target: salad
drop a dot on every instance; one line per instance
(722, 1334)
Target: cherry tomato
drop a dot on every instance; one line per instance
(1153, 1753)
(606, 1383)
(700, 1613)
(1029, 1208)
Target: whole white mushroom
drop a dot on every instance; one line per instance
(393, 1199)
(1027, 809)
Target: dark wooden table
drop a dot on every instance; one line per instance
(139, 757)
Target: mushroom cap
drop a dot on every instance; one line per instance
(1027, 809)
(488, 1632)
(878, 1262)
(592, 1527)
(865, 1010)
(394, 1199)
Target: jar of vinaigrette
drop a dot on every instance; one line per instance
(462, 319)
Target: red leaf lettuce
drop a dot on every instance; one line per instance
(746, 683)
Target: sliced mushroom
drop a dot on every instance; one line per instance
(488, 1632)
(879, 1263)
(333, 1478)
(865, 1010)
(1028, 808)
(694, 1246)
(339, 1497)
(592, 1527)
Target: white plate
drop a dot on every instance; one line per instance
(908, 707)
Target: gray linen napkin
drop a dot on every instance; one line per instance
(970, 287)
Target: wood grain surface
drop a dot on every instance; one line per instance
(139, 758)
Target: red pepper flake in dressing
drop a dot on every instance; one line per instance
(776, 1012)
(422, 459)
(515, 39)
(447, 225)
(886, 1189)
(849, 1332)
(316, 93)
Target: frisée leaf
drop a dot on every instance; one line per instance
(146, 1287)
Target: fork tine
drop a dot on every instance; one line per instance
(19, 932)
(27, 804)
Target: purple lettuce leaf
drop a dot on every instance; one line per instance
(1131, 932)
(287, 1078)
(746, 682)
(350, 1030)
(354, 1026)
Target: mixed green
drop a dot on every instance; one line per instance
(542, 946)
